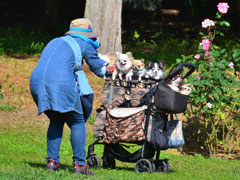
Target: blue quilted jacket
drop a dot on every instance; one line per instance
(52, 82)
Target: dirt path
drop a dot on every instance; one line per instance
(14, 78)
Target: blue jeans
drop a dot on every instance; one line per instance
(76, 123)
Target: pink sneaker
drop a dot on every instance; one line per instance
(52, 165)
(82, 169)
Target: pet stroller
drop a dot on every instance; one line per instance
(134, 113)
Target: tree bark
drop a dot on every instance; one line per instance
(105, 16)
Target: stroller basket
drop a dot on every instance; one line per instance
(168, 100)
(124, 125)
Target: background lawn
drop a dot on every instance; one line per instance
(23, 139)
(23, 133)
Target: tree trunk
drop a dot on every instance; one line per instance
(105, 16)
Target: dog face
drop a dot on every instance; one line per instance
(186, 89)
(177, 79)
(124, 61)
(176, 82)
(156, 70)
(138, 65)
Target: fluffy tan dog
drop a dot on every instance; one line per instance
(138, 68)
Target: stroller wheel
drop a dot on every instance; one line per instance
(153, 164)
(109, 162)
(94, 161)
(144, 165)
(165, 166)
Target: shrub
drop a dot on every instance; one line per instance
(215, 99)
(17, 41)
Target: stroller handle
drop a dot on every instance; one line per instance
(179, 69)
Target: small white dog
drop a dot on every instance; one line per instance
(124, 65)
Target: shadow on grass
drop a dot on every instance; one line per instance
(43, 166)
(133, 169)
(120, 168)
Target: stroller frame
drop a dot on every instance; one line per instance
(144, 156)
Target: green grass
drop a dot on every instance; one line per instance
(23, 139)
(23, 153)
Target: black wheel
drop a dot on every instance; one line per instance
(144, 165)
(94, 161)
(153, 165)
(109, 162)
(158, 165)
(165, 166)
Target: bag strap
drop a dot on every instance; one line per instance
(76, 50)
(171, 117)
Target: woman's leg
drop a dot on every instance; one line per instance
(76, 123)
(54, 134)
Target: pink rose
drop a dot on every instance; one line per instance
(197, 56)
(231, 65)
(207, 22)
(206, 53)
(223, 7)
(206, 44)
(198, 77)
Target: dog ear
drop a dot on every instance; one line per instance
(129, 54)
(161, 65)
(109, 53)
(142, 61)
(118, 54)
(149, 65)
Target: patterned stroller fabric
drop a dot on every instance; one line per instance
(127, 98)
(121, 93)
(124, 125)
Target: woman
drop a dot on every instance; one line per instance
(55, 90)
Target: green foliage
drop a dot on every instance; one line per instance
(17, 41)
(7, 107)
(136, 35)
(167, 50)
(215, 99)
(236, 56)
(91, 119)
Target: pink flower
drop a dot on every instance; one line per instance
(223, 7)
(198, 77)
(207, 22)
(231, 65)
(197, 56)
(206, 44)
(206, 53)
